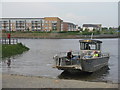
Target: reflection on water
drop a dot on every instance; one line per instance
(86, 76)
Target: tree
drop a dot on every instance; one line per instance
(119, 28)
(110, 28)
(104, 27)
(94, 30)
(86, 30)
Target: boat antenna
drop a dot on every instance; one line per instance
(91, 35)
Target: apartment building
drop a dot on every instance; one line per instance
(52, 24)
(4, 25)
(21, 24)
(36, 24)
(64, 26)
(67, 26)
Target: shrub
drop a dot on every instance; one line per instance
(9, 50)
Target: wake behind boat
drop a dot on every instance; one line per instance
(89, 59)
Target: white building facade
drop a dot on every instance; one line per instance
(92, 27)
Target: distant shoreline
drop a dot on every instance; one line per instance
(64, 38)
(57, 36)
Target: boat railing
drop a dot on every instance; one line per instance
(62, 60)
(89, 56)
(62, 54)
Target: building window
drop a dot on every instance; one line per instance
(46, 21)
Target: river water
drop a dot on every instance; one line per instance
(38, 61)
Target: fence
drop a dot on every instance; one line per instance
(6, 41)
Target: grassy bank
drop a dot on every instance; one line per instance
(10, 50)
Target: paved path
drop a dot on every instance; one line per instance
(17, 81)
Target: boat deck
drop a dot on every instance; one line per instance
(69, 67)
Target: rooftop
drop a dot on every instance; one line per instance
(91, 25)
(90, 41)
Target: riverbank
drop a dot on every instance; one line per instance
(19, 81)
(13, 49)
(57, 35)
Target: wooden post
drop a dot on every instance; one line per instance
(16, 41)
(9, 37)
(13, 41)
(2, 41)
(9, 41)
(5, 40)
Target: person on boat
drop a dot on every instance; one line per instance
(87, 47)
(69, 54)
(95, 54)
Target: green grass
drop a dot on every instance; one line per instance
(10, 50)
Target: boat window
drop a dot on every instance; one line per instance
(90, 46)
(93, 46)
(84, 46)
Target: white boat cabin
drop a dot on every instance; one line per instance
(90, 47)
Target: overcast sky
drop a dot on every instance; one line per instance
(105, 13)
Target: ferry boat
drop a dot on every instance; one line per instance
(88, 59)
